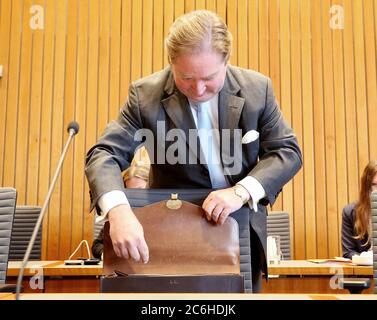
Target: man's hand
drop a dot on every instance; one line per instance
(220, 204)
(127, 234)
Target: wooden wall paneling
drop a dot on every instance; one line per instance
(305, 230)
(46, 115)
(286, 86)
(125, 67)
(67, 194)
(200, 4)
(360, 76)
(114, 70)
(371, 78)
(297, 114)
(58, 131)
(179, 8)
(264, 50)
(104, 63)
(5, 32)
(221, 7)
(340, 125)
(318, 62)
(90, 131)
(330, 143)
(147, 45)
(12, 96)
(231, 21)
(274, 65)
(253, 34)
(189, 5)
(168, 21)
(210, 5)
(158, 35)
(34, 138)
(350, 100)
(242, 34)
(22, 148)
(81, 229)
(136, 39)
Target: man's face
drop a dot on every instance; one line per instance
(199, 76)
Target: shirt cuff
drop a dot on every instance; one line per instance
(255, 190)
(110, 200)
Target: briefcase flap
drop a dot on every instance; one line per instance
(180, 241)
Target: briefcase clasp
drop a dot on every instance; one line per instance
(174, 203)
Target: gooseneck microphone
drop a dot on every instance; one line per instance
(73, 128)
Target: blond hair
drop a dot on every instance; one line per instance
(197, 31)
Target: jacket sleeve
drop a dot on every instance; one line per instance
(349, 247)
(280, 155)
(114, 151)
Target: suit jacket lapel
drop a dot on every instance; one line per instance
(178, 109)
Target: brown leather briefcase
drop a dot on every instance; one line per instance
(187, 253)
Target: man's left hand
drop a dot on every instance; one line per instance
(220, 204)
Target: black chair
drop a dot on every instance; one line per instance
(25, 219)
(278, 225)
(8, 197)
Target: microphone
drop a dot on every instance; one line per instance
(73, 129)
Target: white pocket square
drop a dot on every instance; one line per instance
(250, 136)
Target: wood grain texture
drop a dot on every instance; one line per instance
(79, 66)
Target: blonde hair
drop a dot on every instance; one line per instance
(363, 207)
(196, 31)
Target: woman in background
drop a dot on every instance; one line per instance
(356, 217)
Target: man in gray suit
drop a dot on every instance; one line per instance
(167, 107)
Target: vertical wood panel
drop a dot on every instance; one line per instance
(350, 98)
(371, 77)
(253, 35)
(332, 216)
(80, 65)
(78, 210)
(319, 129)
(67, 193)
(5, 27)
(308, 219)
(34, 141)
(58, 133)
(361, 100)
(46, 118)
(114, 57)
(12, 96)
(286, 86)
(296, 71)
(147, 46)
(340, 124)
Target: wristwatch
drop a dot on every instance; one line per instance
(241, 192)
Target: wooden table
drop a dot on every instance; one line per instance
(301, 276)
(291, 276)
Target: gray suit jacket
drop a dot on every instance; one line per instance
(350, 245)
(246, 102)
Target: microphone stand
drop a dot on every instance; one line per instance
(72, 130)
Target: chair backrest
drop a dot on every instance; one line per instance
(8, 197)
(25, 219)
(97, 228)
(278, 224)
(373, 200)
